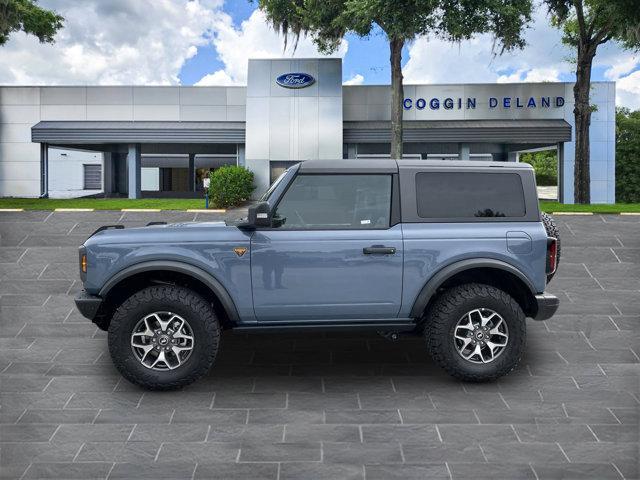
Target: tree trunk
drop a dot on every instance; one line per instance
(397, 97)
(582, 114)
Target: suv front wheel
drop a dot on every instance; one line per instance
(164, 337)
(476, 332)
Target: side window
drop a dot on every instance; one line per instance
(469, 195)
(335, 202)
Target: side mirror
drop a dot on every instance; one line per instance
(259, 215)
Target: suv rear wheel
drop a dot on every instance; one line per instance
(164, 337)
(476, 332)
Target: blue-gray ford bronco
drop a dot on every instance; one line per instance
(455, 251)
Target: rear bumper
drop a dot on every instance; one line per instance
(88, 304)
(547, 305)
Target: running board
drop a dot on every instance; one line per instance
(376, 325)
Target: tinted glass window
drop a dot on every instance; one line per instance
(467, 195)
(335, 202)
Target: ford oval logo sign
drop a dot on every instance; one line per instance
(295, 80)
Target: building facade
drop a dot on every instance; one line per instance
(139, 141)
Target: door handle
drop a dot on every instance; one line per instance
(378, 250)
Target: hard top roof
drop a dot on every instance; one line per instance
(392, 166)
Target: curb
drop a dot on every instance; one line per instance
(73, 209)
(151, 210)
(210, 210)
(571, 213)
(140, 210)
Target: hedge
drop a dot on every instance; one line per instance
(545, 164)
(230, 186)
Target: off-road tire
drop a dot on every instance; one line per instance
(552, 231)
(450, 307)
(186, 303)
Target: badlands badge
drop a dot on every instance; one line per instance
(240, 251)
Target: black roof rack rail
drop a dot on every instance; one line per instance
(107, 227)
(156, 223)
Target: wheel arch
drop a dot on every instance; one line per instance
(151, 272)
(483, 270)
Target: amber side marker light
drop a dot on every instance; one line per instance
(83, 263)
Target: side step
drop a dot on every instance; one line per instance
(375, 325)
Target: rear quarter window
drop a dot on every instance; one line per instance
(469, 195)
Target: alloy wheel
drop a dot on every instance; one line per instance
(481, 336)
(162, 341)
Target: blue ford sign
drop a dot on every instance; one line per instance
(295, 80)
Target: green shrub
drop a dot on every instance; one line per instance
(627, 156)
(230, 186)
(545, 164)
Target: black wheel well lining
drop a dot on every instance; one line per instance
(498, 277)
(122, 286)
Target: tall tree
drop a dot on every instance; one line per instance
(328, 21)
(27, 16)
(587, 24)
(627, 155)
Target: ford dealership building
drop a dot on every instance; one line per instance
(139, 141)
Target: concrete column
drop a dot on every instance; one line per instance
(44, 170)
(504, 155)
(352, 150)
(107, 173)
(261, 175)
(241, 156)
(192, 172)
(133, 170)
(463, 151)
(119, 161)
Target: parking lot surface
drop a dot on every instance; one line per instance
(319, 406)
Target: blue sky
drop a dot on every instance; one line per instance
(206, 60)
(365, 56)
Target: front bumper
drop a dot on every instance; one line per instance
(88, 304)
(547, 305)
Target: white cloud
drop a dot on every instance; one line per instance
(253, 39)
(432, 60)
(532, 75)
(628, 91)
(219, 77)
(627, 80)
(143, 42)
(544, 59)
(357, 79)
(114, 42)
(622, 65)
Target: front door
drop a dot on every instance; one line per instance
(331, 253)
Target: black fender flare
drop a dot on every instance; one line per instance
(185, 268)
(442, 275)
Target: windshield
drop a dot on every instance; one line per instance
(268, 193)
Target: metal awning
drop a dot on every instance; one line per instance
(480, 131)
(68, 133)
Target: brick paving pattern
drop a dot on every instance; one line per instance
(319, 406)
